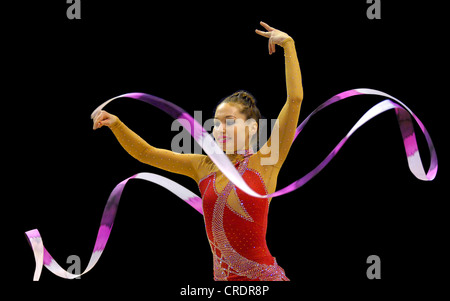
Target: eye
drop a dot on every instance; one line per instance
(216, 123)
(230, 122)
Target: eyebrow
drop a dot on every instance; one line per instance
(228, 117)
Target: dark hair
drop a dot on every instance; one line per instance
(248, 108)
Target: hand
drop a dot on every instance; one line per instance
(104, 118)
(276, 37)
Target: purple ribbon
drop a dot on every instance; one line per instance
(404, 116)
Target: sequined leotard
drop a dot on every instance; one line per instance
(236, 223)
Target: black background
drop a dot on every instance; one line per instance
(193, 54)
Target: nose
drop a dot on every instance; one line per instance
(221, 128)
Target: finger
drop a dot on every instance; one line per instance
(266, 26)
(97, 120)
(271, 46)
(262, 33)
(96, 125)
(102, 116)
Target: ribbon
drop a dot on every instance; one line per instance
(43, 257)
(203, 138)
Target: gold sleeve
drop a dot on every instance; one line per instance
(288, 118)
(185, 164)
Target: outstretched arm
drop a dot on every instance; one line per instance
(288, 118)
(185, 164)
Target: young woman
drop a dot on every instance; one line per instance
(236, 223)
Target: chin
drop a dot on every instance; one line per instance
(223, 146)
(229, 151)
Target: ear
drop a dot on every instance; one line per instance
(253, 136)
(254, 128)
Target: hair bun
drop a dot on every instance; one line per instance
(247, 97)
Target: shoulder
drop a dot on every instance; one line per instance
(204, 165)
(196, 159)
(264, 165)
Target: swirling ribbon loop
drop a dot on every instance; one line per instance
(404, 117)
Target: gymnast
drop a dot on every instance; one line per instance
(236, 223)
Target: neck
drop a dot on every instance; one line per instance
(244, 152)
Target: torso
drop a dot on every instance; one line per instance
(236, 223)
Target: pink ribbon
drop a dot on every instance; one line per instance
(404, 116)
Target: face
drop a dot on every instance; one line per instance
(232, 130)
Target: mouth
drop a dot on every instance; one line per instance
(223, 139)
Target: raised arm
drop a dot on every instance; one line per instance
(185, 164)
(288, 118)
